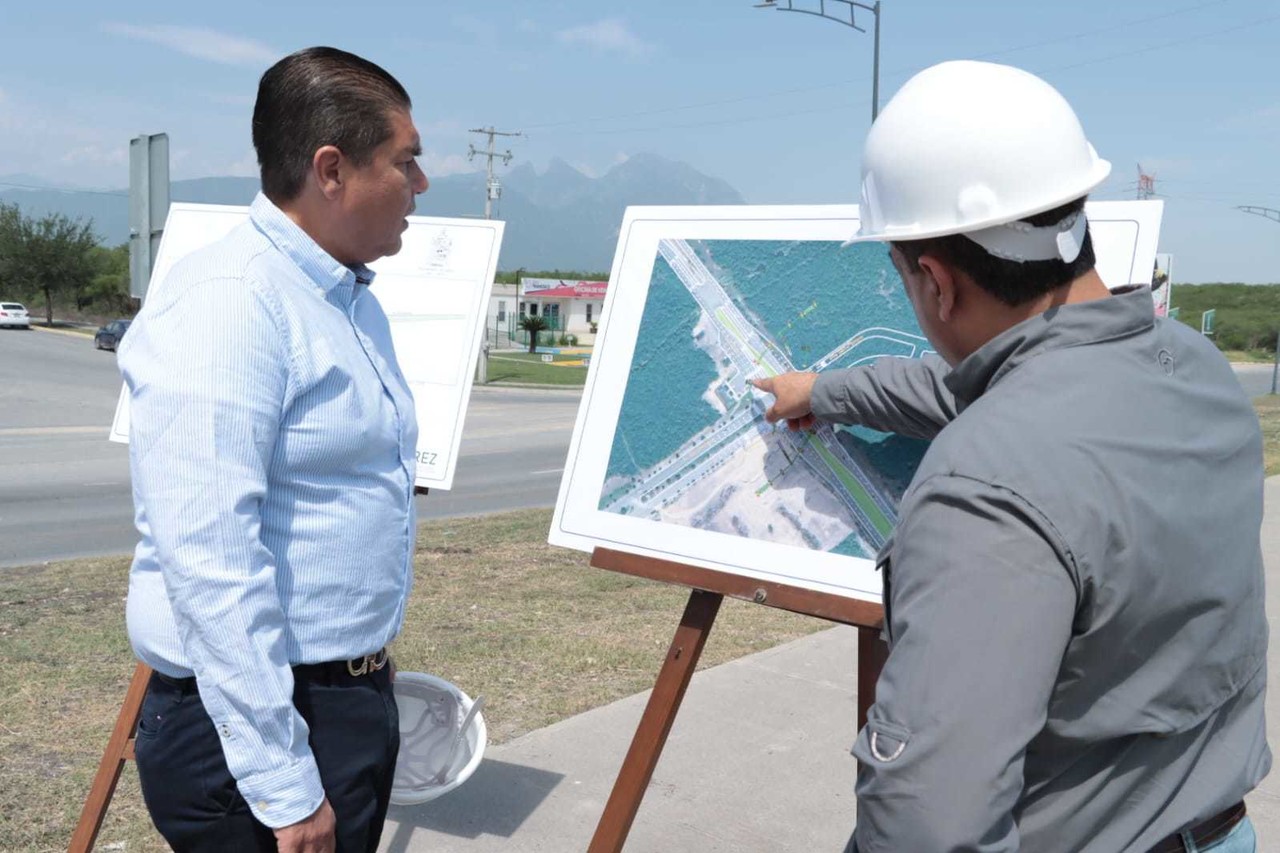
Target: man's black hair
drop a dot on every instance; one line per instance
(1011, 282)
(316, 97)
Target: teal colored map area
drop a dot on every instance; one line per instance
(691, 445)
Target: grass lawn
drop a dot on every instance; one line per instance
(1268, 408)
(1254, 356)
(534, 629)
(522, 367)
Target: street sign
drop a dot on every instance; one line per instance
(1206, 321)
(148, 206)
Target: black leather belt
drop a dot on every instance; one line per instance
(334, 673)
(1205, 832)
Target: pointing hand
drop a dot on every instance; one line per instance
(792, 393)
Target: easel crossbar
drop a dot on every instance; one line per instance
(707, 590)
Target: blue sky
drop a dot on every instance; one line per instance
(775, 103)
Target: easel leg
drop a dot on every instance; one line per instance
(119, 750)
(872, 653)
(655, 724)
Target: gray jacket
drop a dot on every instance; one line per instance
(1074, 591)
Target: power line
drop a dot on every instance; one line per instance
(844, 83)
(717, 103)
(846, 105)
(1194, 8)
(1163, 45)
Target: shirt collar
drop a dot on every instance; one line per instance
(317, 264)
(1128, 311)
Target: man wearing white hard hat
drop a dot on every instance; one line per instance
(1074, 592)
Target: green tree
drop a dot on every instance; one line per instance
(53, 254)
(514, 276)
(533, 324)
(108, 290)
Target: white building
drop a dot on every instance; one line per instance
(570, 307)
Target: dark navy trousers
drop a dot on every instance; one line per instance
(193, 799)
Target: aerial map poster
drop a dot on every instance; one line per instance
(671, 456)
(434, 291)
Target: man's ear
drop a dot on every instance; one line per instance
(326, 168)
(942, 279)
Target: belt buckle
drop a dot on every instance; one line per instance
(367, 664)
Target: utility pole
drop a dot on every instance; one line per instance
(492, 186)
(852, 6)
(1274, 215)
(1146, 184)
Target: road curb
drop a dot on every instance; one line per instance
(538, 387)
(85, 334)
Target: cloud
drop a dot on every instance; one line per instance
(610, 36)
(440, 127)
(96, 155)
(440, 165)
(200, 42)
(245, 167)
(592, 171)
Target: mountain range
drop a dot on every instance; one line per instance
(556, 219)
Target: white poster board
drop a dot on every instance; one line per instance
(1162, 284)
(671, 457)
(434, 292)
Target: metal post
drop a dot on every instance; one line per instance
(851, 22)
(148, 206)
(1275, 370)
(875, 69)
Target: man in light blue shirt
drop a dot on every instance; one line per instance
(272, 454)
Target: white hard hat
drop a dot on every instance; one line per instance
(442, 738)
(968, 147)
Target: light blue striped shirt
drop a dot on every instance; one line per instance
(272, 442)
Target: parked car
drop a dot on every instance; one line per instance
(110, 335)
(14, 315)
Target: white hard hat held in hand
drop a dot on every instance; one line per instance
(442, 737)
(968, 147)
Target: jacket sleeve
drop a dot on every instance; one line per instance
(901, 395)
(208, 373)
(980, 601)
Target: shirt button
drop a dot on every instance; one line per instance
(224, 730)
(263, 805)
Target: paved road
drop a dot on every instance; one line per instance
(1256, 378)
(64, 489)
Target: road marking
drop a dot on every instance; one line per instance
(548, 471)
(104, 431)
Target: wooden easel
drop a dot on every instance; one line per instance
(709, 589)
(119, 750)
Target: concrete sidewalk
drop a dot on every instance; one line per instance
(758, 760)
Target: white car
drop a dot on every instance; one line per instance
(14, 315)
